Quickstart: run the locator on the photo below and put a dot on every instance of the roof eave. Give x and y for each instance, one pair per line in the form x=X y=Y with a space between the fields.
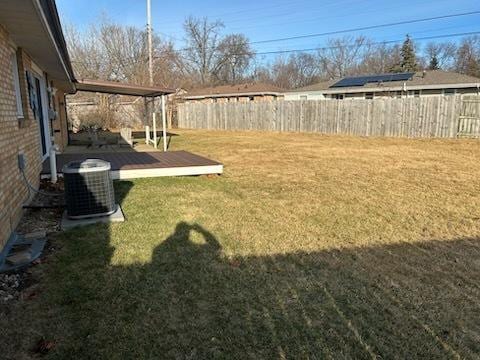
x=54 y=28
x=206 y=96
x=390 y=88
x=34 y=26
x=109 y=87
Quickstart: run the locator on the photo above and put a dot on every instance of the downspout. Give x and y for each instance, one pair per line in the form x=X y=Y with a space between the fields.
x=53 y=163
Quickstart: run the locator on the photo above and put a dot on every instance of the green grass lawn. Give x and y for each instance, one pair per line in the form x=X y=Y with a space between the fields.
x=308 y=246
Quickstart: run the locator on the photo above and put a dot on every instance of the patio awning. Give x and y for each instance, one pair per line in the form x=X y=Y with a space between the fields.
x=111 y=87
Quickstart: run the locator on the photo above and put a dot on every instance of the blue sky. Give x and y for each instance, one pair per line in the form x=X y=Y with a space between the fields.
x=268 y=19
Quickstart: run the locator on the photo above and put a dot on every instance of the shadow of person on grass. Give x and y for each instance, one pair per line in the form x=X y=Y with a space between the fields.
x=191 y=301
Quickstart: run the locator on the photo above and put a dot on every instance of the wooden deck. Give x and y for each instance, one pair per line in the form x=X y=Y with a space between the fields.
x=132 y=165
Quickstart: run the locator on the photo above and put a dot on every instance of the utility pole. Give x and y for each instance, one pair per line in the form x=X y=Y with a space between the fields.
x=149 y=34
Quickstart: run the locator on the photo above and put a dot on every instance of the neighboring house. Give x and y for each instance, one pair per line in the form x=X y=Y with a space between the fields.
x=257 y=92
x=423 y=83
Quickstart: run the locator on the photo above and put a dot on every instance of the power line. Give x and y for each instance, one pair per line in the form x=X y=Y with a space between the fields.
x=368 y=44
x=365 y=28
x=255 y=10
x=385 y=42
x=336 y=32
x=365 y=11
x=259 y=20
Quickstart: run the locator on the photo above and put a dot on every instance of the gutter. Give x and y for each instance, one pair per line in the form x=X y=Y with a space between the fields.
x=54 y=29
x=231 y=94
x=404 y=87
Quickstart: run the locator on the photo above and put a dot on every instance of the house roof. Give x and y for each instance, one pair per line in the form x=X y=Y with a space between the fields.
x=34 y=25
x=323 y=85
x=234 y=90
x=111 y=87
x=427 y=79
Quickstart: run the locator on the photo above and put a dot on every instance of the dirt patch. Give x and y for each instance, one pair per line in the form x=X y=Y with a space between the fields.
x=21 y=284
x=45 y=210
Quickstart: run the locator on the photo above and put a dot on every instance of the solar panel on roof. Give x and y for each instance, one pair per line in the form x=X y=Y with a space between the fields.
x=363 y=80
x=351 y=81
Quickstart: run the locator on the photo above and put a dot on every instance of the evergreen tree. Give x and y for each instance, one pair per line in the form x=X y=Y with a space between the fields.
x=408 y=60
x=433 y=63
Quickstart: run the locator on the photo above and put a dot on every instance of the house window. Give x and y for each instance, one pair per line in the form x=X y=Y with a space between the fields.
x=16 y=83
x=449 y=92
x=398 y=94
x=338 y=96
x=251 y=98
x=414 y=93
x=369 y=96
x=303 y=97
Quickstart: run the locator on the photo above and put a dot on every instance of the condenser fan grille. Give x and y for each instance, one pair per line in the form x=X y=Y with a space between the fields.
x=88 y=189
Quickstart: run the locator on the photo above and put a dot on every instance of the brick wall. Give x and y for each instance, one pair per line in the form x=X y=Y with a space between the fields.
x=15 y=136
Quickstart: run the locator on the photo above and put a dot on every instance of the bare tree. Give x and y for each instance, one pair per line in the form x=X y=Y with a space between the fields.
x=342 y=56
x=307 y=69
x=168 y=69
x=109 y=51
x=378 y=59
x=115 y=52
x=443 y=54
x=468 y=56
x=87 y=55
x=233 y=59
x=295 y=71
x=126 y=50
x=261 y=71
x=201 y=53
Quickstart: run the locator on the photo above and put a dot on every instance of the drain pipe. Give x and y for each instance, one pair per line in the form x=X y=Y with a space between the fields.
x=53 y=164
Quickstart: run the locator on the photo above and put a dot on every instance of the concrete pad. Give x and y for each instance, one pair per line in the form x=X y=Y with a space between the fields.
x=71 y=223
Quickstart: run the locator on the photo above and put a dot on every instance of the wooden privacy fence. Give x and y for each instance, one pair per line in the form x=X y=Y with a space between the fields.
x=435 y=116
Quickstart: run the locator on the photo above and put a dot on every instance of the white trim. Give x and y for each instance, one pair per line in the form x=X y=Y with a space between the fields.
x=36 y=69
x=46 y=119
x=164 y=124
x=174 y=171
x=161 y=172
x=387 y=89
x=52 y=38
x=16 y=84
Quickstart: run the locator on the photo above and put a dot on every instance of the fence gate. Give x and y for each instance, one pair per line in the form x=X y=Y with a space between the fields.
x=469 y=119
